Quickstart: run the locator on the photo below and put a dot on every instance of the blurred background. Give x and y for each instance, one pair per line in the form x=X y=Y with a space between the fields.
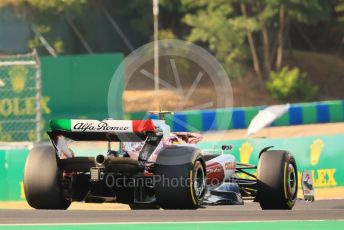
x=57 y=58
x=269 y=44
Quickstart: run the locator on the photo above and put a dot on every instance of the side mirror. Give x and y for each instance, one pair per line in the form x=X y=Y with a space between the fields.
x=226 y=147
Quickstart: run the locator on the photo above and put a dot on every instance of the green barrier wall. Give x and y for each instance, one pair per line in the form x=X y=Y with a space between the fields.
x=72 y=87
x=77 y=86
x=320 y=154
x=11 y=173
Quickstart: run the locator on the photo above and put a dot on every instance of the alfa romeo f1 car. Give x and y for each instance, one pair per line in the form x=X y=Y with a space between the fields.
x=151 y=168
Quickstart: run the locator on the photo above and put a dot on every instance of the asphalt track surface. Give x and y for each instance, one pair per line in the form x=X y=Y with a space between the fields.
x=319 y=210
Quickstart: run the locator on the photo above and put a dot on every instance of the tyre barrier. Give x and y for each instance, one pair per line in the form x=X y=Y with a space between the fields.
x=240 y=118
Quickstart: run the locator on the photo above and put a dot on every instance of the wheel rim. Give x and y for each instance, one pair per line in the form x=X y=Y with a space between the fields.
x=199 y=180
x=291 y=180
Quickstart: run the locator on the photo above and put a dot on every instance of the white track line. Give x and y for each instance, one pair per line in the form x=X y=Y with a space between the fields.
x=168 y=222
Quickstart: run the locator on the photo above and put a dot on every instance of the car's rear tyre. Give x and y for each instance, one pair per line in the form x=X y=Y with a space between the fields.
x=276 y=180
x=143 y=206
x=180 y=178
x=41 y=180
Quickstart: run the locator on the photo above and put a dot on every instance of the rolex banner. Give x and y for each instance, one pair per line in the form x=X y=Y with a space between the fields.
x=18 y=102
x=72 y=87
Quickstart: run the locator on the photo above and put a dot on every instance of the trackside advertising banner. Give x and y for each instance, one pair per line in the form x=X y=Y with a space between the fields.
x=72 y=86
x=323 y=155
x=12 y=163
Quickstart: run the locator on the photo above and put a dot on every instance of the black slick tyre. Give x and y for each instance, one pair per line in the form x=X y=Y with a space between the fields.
x=180 y=178
x=143 y=206
x=276 y=180
x=41 y=180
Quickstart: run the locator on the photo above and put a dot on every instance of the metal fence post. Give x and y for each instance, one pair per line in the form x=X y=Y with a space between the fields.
x=38 y=86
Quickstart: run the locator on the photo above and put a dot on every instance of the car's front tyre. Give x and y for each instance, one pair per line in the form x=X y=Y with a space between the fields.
x=276 y=180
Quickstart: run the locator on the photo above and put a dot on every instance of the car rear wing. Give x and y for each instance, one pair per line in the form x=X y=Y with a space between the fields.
x=105 y=130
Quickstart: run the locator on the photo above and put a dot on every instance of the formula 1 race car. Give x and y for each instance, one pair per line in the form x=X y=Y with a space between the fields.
x=151 y=168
